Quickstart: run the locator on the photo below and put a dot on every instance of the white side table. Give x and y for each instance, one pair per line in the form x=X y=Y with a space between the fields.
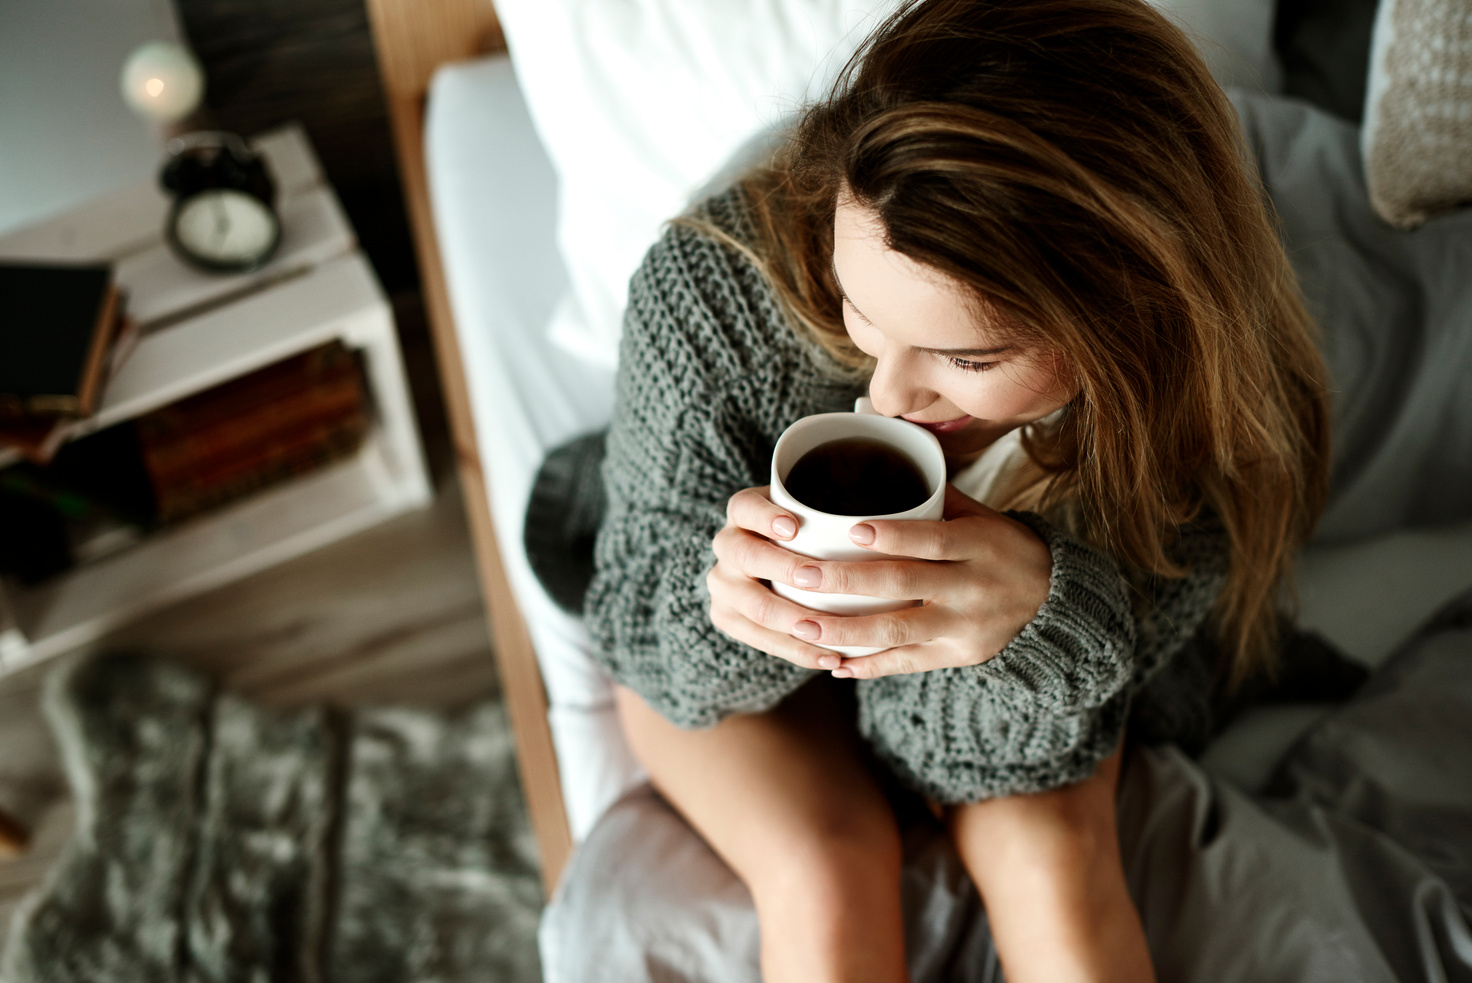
x=199 y=330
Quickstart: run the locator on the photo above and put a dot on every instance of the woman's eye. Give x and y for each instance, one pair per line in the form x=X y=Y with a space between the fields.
x=857 y=313
x=966 y=365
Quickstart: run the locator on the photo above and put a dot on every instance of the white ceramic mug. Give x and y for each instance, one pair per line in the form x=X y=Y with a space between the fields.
x=824 y=536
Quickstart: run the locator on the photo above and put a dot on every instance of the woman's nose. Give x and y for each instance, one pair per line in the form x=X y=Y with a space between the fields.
x=893 y=391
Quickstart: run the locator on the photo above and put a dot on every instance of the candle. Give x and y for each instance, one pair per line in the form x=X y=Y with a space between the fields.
x=161 y=81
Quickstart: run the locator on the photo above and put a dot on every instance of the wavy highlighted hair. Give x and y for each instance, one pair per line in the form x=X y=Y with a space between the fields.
x=1073 y=164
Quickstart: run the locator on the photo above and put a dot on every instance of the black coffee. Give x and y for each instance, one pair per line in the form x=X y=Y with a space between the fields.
x=857 y=476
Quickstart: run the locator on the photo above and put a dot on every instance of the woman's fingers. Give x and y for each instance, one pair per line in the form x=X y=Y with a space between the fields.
x=897 y=580
x=752 y=509
x=954 y=539
x=906 y=626
x=922 y=657
x=752 y=613
x=761 y=559
x=732 y=620
x=963 y=535
x=756 y=602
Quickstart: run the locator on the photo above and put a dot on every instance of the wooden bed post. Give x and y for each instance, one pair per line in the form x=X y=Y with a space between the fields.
x=413 y=38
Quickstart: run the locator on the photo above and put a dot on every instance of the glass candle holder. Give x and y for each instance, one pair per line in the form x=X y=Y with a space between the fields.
x=162 y=82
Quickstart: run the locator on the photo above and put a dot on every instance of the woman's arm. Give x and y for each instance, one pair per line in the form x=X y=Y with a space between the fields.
x=1014 y=676
x=1052 y=704
x=708 y=376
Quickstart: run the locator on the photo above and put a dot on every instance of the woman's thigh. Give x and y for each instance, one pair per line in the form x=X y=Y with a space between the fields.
x=771 y=792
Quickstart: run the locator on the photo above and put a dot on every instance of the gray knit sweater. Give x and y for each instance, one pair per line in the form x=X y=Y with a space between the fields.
x=710 y=374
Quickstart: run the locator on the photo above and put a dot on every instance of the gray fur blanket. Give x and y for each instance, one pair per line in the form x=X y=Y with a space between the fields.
x=218 y=841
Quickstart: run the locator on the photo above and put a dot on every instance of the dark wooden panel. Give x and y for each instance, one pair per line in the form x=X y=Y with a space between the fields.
x=268 y=61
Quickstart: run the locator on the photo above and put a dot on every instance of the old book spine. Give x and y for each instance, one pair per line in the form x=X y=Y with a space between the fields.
x=210 y=447
x=275 y=423
x=305 y=452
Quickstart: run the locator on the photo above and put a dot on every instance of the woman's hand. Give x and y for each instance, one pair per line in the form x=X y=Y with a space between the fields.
x=744 y=607
x=980 y=575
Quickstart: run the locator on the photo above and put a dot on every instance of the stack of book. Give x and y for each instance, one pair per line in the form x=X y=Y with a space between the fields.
x=106 y=491
x=62 y=335
x=253 y=431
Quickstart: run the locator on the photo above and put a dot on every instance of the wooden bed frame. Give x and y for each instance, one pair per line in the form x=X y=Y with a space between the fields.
x=413 y=38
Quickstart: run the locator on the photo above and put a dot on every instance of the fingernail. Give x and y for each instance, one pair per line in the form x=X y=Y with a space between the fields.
x=807 y=630
x=863 y=534
x=842 y=673
x=807 y=576
x=784 y=527
x=828 y=661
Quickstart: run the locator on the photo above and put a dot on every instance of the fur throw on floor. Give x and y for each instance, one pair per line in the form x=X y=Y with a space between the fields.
x=219 y=842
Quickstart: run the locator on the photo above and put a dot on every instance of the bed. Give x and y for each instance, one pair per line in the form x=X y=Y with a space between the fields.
x=525 y=323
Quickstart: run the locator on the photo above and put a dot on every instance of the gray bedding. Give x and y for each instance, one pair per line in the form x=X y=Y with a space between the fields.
x=1395 y=311
x=1355 y=862
x=1355 y=866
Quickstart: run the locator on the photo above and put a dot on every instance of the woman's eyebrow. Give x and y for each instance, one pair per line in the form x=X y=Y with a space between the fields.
x=833 y=268
x=951 y=352
x=963 y=352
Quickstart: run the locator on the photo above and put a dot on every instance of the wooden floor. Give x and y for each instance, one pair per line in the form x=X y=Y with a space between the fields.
x=391 y=615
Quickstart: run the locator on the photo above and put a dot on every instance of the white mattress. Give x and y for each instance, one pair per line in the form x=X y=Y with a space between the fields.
x=493 y=193
x=494 y=197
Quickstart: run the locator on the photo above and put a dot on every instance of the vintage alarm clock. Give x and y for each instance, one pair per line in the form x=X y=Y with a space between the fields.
x=224 y=214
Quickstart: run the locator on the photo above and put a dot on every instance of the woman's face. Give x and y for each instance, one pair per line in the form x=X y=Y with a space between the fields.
x=939 y=364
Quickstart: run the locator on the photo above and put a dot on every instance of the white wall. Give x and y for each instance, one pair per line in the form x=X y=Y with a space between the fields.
x=65 y=133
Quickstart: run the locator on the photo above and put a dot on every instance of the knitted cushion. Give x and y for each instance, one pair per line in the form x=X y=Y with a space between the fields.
x=1417 y=138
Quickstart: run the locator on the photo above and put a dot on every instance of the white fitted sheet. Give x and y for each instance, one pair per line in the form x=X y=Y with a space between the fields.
x=494 y=197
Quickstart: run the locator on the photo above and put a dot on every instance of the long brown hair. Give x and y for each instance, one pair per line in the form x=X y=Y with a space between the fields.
x=1075 y=166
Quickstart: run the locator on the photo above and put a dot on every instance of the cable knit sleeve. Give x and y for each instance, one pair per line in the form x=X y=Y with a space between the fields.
x=709 y=375
x=1047 y=708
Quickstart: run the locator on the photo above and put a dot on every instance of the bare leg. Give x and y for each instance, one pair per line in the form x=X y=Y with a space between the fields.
x=1050 y=874
x=785 y=798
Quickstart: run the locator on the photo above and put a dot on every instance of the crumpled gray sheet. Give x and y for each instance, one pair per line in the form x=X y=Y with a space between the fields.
x=1357 y=866
x=1395 y=314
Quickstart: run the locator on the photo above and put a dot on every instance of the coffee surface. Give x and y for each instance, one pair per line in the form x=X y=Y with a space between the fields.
x=857 y=476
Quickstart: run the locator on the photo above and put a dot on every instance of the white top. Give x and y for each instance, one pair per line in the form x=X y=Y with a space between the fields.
x=985 y=477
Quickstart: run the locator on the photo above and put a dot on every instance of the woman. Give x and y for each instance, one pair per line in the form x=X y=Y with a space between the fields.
x=1027 y=226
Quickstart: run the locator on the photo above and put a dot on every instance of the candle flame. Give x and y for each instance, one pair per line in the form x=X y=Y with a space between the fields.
x=154 y=87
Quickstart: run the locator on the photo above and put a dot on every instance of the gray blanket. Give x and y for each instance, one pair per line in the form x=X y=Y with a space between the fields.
x=1355 y=868
x=217 y=841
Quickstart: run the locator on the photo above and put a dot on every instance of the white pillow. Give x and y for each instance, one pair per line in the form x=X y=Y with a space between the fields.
x=640 y=102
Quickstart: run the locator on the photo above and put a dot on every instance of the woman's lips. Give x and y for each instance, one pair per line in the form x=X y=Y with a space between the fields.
x=944 y=426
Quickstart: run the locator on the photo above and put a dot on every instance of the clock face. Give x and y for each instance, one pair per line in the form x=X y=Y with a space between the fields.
x=225 y=229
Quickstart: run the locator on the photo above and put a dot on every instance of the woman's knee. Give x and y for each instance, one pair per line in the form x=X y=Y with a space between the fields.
x=830 y=864
x=1073 y=826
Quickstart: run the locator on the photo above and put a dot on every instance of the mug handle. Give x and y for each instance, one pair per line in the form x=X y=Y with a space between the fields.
x=864 y=406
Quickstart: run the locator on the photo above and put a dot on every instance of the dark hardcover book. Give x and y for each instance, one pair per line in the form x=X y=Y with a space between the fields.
x=38 y=437
x=56 y=324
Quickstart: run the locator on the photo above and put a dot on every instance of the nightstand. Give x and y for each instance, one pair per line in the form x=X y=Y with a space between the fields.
x=197 y=331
